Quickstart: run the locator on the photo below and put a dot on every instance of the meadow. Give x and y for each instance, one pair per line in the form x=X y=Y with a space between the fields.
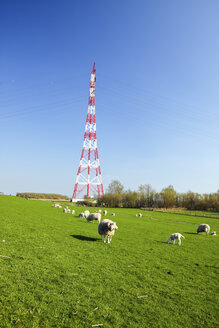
x=55 y=271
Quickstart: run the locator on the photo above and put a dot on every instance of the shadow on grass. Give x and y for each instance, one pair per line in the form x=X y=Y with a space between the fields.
x=190 y=233
x=84 y=238
x=161 y=242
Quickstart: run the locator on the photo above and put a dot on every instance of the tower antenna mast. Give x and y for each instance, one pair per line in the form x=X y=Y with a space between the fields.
x=89 y=180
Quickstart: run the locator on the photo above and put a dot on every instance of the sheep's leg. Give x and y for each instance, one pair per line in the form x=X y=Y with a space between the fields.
x=168 y=240
x=174 y=242
x=179 y=242
x=104 y=239
x=108 y=239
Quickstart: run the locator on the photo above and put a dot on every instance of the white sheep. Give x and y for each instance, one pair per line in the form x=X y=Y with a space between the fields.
x=140 y=215
x=113 y=214
x=204 y=228
x=93 y=217
x=66 y=210
x=81 y=215
x=105 y=212
x=213 y=233
x=175 y=236
x=99 y=211
x=86 y=213
x=73 y=212
x=107 y=228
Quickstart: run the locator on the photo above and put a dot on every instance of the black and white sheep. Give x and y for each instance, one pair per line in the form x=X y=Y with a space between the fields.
x=107 y=228
x=204 y=228
x=81 y=215
x=94 y=217
x=67 y=210
x=105 y=212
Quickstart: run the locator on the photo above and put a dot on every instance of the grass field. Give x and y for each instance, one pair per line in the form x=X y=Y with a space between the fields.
x=56 y=272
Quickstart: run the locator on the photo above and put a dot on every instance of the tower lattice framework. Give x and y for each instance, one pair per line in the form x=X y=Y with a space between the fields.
x=89 y=181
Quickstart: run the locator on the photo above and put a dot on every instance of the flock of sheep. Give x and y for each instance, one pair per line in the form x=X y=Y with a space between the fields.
x=107 y=228
x=201 y=228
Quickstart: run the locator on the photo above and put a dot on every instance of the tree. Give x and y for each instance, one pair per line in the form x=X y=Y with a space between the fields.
x=146 y=194
x=115 y=187
x=168 y=196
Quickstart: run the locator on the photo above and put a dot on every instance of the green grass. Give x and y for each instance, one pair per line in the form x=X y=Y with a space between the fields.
x=58 y=272
x=204 y=214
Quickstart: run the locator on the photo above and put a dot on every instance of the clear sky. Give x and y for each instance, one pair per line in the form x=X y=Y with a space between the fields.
x=157 y=92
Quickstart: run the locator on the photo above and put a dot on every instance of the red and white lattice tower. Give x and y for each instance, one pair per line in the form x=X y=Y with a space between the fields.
x=89 y=181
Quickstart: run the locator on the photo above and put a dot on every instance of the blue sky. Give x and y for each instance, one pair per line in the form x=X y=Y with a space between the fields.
x=157 y=97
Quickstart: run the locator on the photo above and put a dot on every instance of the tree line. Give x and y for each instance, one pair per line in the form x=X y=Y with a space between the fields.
x=147 y=197
x=34 y=195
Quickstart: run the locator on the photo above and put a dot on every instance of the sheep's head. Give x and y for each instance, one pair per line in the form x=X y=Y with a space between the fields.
x=113 y=226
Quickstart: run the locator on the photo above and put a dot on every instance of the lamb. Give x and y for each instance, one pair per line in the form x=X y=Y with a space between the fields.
x=107 y=228
x=86 y=213
x=81 y=215
x=73 y=212
x=175 y=236
x=140 y=215
x=94 y=216
x=105 y=212
x=204 y=228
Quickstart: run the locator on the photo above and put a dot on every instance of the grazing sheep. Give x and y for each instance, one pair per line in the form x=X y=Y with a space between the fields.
x=105 y=212
x=213 y=233
x=66 y=210
x=86 y=213
x=73 y=212
x=107 y=228
x=81 y=215
x=140 y=215
x=56 y=205
x=94 y=216
x=175 y=236
x=204 y=228
x=113 y=214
